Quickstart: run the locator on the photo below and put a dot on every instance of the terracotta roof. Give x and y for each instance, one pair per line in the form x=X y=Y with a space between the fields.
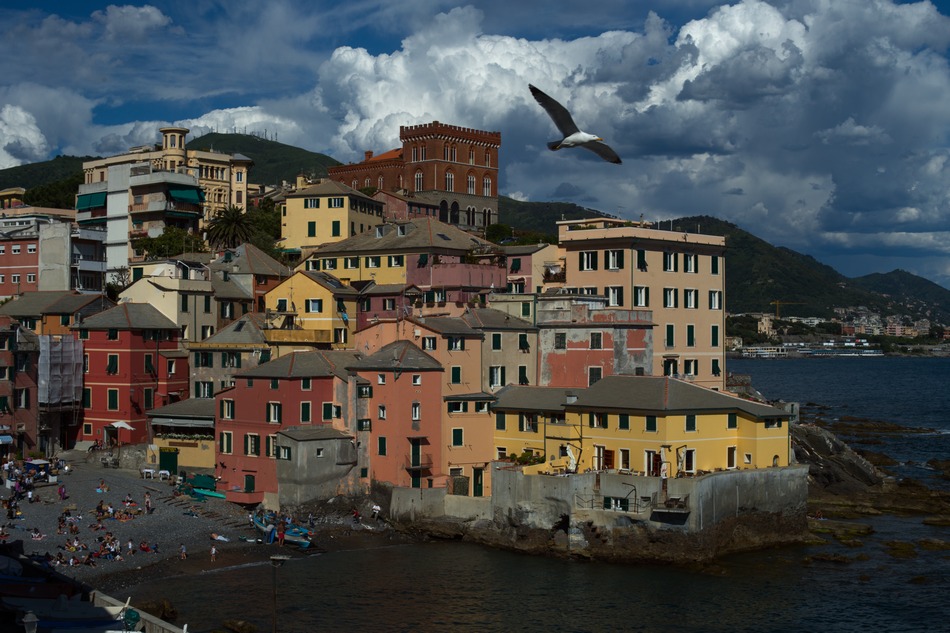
x=665 y=395
x=128 y=316
x=392 y=154
x=315 y=364
x=399 y=355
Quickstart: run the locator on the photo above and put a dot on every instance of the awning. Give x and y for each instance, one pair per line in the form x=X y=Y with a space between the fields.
x=182 y=214
x=90 y=201
x=183 y=422
x=192 y=195
x=6 y=439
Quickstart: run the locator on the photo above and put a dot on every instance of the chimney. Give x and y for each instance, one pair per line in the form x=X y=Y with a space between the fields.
x=367 y=155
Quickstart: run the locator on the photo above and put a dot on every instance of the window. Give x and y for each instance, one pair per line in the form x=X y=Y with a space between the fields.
x=416 y=411
x=416 y=380
x=206 y=331
x=204 y=359
x=224 y=442
x=227 y=409
x=231 y=360
x=85 y=365
x=614 y=296
x=614 y=260
x=171 y=367
x=670 y=299
x=15 y=249
x=389 y=304
x=588 y=260
x=650 y=424
x=747 y=458
x=486 y=186
x=305 y=412
x=624 y=422
x=458 y=407
x=670 y=262
x=380 y=379
x=274 y=412
x=597 y=420
x=670 y=335
x=340 y=335
x=715 y=367
x=690 y=336
x=381 y=412
x=449 y=181
x=496 y=341
x=113 y=334
x=456 y=344
x=113 y=399
x=397 y=261
x=499 y=421
x=252 y=444
x=690 y=422
x=204 y=389
x=365 y=391
x=329 y=263
x=31 y=278
x=22 y=399
x=428 y=343
x=625 y=459
x=496 y=376
x=691 y=299
x=733 y=421
x=456 y=375
x=596 y=340
x=525 y=308
x=335 y=228
x=523 y=345
x=112 y=367
x=417 y=179
x=641 y=297
x=691 y=367
x=714 y=264
x=482 y=407
x=270 y=446
x=381 y=445
x=335 y=203
x=770 y=423
x=184 y=303
x=458 y=437
x=560 y=340
x=350 y=263
x=715 y=299
x=689 y=460
x=593 y=375
x=714 y=336
x=373 y=262
x=364 y=424
x=689 y=263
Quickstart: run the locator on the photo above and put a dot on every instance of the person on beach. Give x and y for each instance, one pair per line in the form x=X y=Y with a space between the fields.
x=148 y=503
x=62 y=492
x=182 y=552
x=214 y=552
x=376 y=511
x=280 y=533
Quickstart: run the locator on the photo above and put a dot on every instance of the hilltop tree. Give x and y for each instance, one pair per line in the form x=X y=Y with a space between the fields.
x=173 y=241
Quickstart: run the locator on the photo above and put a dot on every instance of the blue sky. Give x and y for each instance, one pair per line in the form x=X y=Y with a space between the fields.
x=820 y=125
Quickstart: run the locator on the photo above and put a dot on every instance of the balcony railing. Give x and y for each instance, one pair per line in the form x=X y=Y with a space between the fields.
x=421 y=462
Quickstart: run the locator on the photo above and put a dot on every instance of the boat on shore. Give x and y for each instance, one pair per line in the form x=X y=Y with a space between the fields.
x=266 y=523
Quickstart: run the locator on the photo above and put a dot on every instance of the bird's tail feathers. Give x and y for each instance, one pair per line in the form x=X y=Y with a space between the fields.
x=554 y=146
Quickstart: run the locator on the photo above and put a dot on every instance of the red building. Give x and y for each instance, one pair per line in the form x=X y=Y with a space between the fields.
x=453 y=167
x=132 y=363
x=300 y=389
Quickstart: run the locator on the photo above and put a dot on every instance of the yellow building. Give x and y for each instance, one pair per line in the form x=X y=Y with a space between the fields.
x=649 y=425
x=310 y=308
x=679 y=276
x=324 y=213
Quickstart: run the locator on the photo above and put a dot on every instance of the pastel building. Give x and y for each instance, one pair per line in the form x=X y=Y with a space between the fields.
x=323 y=213
x=310 y=308
x=679 y=277
x=54 y=312
x=533 y=267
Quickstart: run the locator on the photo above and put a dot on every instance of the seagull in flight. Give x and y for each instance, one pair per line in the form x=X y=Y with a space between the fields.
x=573 y=137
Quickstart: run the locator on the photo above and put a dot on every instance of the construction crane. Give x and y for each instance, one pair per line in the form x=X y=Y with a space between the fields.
x=778 y=305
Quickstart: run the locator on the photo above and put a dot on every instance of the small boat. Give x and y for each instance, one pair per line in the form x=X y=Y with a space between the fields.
x=207 y=493
x=266 y=522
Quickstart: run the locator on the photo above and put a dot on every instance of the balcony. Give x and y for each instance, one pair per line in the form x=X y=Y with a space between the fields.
x=421 y=462
x=274 y=337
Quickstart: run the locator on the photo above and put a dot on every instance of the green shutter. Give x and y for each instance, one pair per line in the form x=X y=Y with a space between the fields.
x=715 y=336
x=327 y=410
x=607 y=503
x=590 y=420
x=304 y=411
x=456 y=375
x=733 y=421
x=714 y=264
x=499 y=421
x=624 y=423
x=221 y=407
x=651 y=423
x=690 y=335
x=221 y=443
x=311 y=229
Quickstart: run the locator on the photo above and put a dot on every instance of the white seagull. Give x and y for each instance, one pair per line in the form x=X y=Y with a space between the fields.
x=573 y=137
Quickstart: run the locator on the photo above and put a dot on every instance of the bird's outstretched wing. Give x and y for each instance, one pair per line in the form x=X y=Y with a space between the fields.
x=603 y=150
x=558 y=113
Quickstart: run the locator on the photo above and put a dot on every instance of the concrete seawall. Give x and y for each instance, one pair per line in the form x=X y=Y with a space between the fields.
x=619 y=516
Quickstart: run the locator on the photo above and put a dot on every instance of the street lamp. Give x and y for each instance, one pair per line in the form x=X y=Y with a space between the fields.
x=275 y=561
x=30 y=622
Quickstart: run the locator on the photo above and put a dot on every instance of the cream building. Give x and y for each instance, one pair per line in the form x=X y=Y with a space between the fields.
x=678 y=276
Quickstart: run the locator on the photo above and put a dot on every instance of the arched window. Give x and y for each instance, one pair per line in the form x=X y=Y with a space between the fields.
x=415 y=153
x=454 y=157
x=486 y=186
x=379 y=182
x=471 y=157
x=471 y=184
x=487 y=158
x=418 y=179
x=449 y=181
x=445 y=152
x=354 y=184
x=366 y=182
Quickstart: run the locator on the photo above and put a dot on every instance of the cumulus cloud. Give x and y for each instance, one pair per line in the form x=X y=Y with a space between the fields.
x=21 y=140
x=130 y=23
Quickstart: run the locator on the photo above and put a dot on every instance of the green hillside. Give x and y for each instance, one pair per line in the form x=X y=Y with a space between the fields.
x=44 y=173
x=540 y=217
x=273 y=162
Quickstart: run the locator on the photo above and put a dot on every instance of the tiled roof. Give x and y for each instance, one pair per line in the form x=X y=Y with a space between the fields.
x=330 y=282
x=128 y=316
x=32 y=304
x=401 y=355
x=392 y=154
x=491 y=319
x=314 y=433
x=448 y=326
x=316 y=364
x=390 y=289
x=227 y=289
x=248 y=259
x=244 y=331
x=422 y=235
x=663 y=394
x=521 y=398
x=523 y=249
x=189 y=408
x=328 y=187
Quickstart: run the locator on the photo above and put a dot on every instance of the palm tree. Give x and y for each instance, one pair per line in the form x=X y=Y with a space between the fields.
x=229 y=228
